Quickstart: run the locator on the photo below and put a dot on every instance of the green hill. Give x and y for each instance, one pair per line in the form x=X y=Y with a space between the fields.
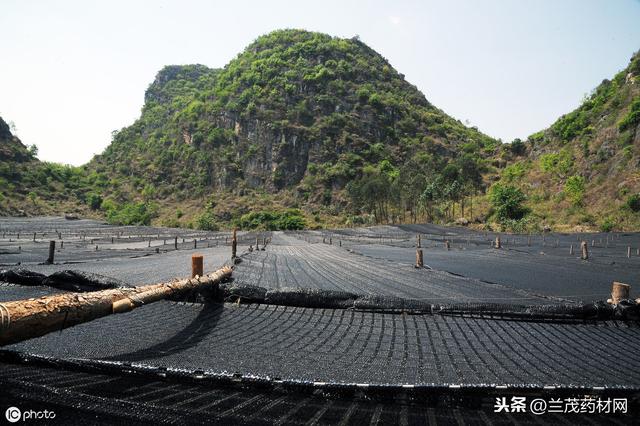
x=29 y=186
x=294 y=121
x=584 y=170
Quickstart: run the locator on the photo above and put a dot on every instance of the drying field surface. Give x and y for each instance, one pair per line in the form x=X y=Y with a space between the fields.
x=318 y=346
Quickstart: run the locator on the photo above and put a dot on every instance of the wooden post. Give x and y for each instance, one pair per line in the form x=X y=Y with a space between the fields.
x=197 y=265
x=447 y=245
x=257 y=243
x=34 y=237
x=419 y=241
x=234 y=244
x=529 y=241
x=340 y=241
x=330 y=241
x=175 y=243
x=61 y=244
x=571 y=250
x=585 y=250
x=195 y=243
x=24 y=319
x=628 y=252
x=419 y=259
x=52 y=252
x=619 y=291
x=149 y=244
x=498 y=244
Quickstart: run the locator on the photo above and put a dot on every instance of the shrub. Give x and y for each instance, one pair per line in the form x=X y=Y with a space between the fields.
x=633 y=116
x=272 y=221
x=633 y=203
x=574 y=189
x=130 y=214
x=559 y=163
x=207 y=222
x=508 y=202
x=607 y=225
x=514 y=171
x=94 y=201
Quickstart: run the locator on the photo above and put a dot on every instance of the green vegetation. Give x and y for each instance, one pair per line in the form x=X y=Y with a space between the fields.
x=130 y=213
x=326 y=126
x=508 y=202
x=272 y=221
x=514 y=172
x=632 y=119
x=557 y=163
x=633 y=203
x=574 y=189
x=334 y=102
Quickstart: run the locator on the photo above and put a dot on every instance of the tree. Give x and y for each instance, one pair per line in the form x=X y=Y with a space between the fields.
x=508 y=202
x=33 y=150
x=94 y=201
x=517 y=147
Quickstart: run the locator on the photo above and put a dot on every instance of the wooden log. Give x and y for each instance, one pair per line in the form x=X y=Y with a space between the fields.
x=498 y=244
x=24 y=319
x=584 y=250
x=619 y=291
x=419 y=259
x=197 y=265
x=234 y=244
x=52 y=252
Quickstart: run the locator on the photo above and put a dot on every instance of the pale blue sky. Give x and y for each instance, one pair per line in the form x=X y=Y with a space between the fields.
x=73 y=71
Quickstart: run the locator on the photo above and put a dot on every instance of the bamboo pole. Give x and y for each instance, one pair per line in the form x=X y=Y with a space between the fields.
x=24 y=319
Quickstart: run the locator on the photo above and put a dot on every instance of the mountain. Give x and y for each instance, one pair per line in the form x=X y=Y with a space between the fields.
x=584 y=170
x=29 y=186
x=290 y=122
x=11 y=149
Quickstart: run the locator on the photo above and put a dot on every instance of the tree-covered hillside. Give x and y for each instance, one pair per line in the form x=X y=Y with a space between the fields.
x=29 y=186
x=584 y=170
x=299 y=119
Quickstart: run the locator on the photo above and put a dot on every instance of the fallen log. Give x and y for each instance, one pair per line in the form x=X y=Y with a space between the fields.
x=24 y=319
